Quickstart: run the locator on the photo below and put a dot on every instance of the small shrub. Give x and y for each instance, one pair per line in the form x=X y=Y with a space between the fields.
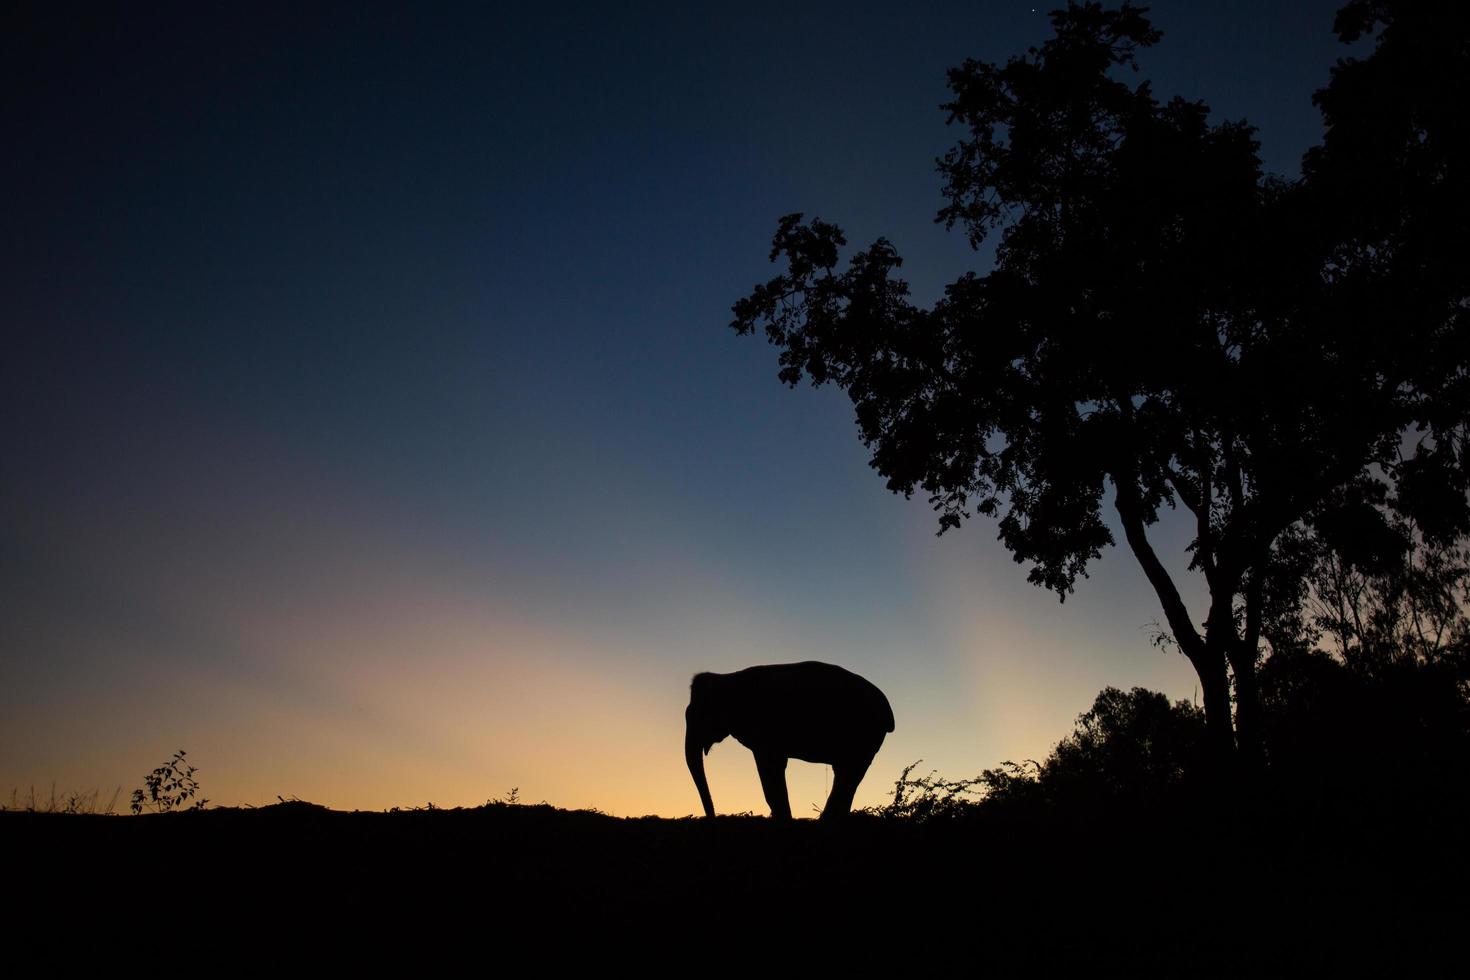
x=930 y=797
x=1014 y=784
x=169 y=787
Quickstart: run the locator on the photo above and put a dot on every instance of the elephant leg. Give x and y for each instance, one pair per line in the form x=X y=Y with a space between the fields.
x=845 y=779
x=772 y=769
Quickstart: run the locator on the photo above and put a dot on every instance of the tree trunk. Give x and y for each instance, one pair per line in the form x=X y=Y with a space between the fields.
x=1206 y=653
x=1209 y=664
x=1248 y=710
x=1220 y=643
x=1247 y=691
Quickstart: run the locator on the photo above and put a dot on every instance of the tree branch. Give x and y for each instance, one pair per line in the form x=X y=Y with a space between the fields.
x=1131 y=514
x=1253 y=593
x=1199 y=506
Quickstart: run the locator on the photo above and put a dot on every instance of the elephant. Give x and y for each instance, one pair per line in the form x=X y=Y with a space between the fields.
x=810 y=711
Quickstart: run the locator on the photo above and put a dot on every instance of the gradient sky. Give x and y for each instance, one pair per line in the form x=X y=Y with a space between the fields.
x=370 y=425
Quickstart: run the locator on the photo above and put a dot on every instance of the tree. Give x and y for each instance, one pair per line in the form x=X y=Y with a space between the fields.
x=1411 y=609
x=1165 y=326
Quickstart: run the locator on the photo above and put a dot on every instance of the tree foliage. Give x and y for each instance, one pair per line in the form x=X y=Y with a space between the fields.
x=1287 y=360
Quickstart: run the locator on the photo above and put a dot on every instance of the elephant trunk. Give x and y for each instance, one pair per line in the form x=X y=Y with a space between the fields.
x=695 y=758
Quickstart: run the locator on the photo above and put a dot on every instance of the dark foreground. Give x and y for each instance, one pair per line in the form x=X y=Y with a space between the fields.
x=1380 y=891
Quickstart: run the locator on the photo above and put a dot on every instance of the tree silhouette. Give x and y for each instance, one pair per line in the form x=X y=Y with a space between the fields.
x=1165 y=326
x=1130 y=750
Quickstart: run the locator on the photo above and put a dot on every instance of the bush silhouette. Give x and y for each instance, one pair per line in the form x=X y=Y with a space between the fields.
x=1129 y=748
x=1133 y=745
x=168 y=787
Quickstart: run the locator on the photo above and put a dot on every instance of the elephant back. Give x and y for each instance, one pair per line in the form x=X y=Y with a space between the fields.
x=822 y=706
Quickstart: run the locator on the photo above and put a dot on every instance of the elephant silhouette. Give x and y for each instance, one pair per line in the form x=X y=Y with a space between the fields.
x=810 y=711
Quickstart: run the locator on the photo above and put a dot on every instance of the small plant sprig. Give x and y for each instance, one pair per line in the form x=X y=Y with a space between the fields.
x=513 y=798
x=169 y=787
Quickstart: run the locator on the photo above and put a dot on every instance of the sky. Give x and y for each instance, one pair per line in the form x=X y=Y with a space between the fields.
x=372 y=429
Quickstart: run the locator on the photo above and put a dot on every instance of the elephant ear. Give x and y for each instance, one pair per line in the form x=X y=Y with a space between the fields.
x=704 y=714
x=702 y=689
x=707 y=696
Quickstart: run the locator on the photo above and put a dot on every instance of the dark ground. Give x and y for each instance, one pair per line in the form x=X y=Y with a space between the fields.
x=1378 y=892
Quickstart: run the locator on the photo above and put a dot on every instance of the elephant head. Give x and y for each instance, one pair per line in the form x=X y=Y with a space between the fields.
x=704 y=726
x=810 y=711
